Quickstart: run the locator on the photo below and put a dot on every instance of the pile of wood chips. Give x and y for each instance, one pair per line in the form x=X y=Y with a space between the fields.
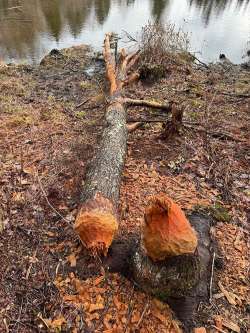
x=109 y=304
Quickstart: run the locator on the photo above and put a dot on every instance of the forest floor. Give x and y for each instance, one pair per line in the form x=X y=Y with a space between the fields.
x=48 y=280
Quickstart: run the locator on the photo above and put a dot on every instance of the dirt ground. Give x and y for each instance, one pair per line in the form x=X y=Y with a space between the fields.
x=51 y=117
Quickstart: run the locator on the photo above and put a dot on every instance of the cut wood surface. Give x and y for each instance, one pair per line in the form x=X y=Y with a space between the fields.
x=166 y=231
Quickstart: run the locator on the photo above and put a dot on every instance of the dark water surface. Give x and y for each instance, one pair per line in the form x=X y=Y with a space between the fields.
x=30 y=28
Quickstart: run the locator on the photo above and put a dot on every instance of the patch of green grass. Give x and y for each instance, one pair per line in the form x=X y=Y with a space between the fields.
x=80 y=114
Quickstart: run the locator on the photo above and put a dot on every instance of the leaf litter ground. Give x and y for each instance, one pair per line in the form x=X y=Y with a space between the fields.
x=51 y=118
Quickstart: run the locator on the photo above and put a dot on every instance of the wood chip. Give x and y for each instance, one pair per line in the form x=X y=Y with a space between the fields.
x=98 y=280
x=218 y=321
x=230 y=325
x=200 y=330
x=217 y=296
x=228 y=296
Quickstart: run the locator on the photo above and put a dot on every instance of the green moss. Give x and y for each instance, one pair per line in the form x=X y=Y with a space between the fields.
x=220 y=213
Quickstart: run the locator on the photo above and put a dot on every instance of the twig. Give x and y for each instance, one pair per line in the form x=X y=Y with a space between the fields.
x=82 y=103
x=130 y=37
x=167 y=106
x=218 y=135
x=48 y=202
x=6 y=325
x=130 y=309
x=202 y=63
x=142 y=315
x=15 y=19
x=234 y=95
x=211 y=280
x=16 y=7
x=39 y=316
x=130 y=120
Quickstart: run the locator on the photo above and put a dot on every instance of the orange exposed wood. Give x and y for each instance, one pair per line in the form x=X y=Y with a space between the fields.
x=110 y=65
x=166 y=231
x=96 y=224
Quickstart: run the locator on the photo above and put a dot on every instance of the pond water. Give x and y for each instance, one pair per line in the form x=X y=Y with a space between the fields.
x=30 y=28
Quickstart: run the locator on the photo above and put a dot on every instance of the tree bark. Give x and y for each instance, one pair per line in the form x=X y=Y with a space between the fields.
x=97 y=220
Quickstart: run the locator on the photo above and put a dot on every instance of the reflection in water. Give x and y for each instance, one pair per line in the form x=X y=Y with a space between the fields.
x=101 y=10
x=29 y=28
x=158 y=7
x=209 y=8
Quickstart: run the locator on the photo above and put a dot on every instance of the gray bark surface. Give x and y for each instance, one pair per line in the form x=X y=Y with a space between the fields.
x=104 y=171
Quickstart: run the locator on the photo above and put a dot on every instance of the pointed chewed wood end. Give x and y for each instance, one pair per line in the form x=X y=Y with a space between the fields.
x=96 y=224
x=166 y=231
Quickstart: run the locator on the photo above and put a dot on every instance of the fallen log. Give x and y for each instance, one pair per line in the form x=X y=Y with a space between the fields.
x=97 y=220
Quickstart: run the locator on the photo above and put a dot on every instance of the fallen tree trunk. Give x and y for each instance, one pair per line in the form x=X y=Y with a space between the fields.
x=96 y=222
x=97 y=219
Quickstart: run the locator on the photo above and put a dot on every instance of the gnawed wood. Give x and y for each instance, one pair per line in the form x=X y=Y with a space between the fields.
x=96 y=223
x=166 y=231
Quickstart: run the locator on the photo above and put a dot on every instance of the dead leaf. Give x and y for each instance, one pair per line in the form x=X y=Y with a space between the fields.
x=200 y=330
x=58 y=322
x=159 y=316
x=218 y=322
x=30 y=170
x=135 y=317
x=50 y=234
x=159 y=304
x=116 y=302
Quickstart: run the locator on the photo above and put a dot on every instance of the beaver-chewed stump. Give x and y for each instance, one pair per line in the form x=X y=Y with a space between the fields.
x=180 y=280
